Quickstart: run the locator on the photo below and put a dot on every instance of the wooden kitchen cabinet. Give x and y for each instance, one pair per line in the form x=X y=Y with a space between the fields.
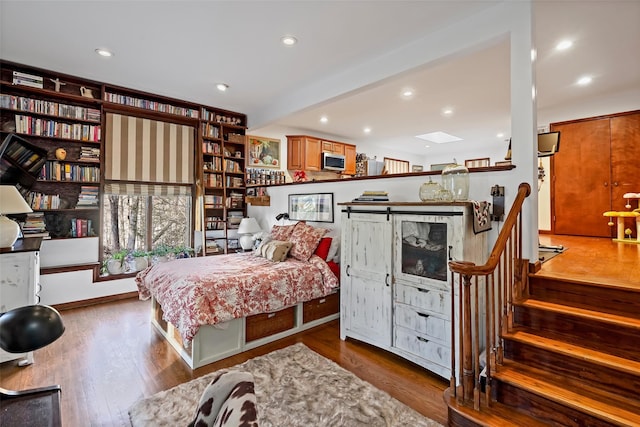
x=304 y=153
x=349 y=159
x=333 y=147
x=595 y=165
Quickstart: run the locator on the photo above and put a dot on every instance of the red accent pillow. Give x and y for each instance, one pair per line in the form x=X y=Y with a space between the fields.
x=335 y=268
x=323 y=247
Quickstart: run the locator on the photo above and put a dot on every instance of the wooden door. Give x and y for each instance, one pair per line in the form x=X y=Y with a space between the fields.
x=625 y=163
x=581 y=190
x=366 y=278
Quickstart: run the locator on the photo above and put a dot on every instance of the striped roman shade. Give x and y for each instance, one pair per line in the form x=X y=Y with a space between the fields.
x=148 y=151
x=392 y=166
x=146 y=189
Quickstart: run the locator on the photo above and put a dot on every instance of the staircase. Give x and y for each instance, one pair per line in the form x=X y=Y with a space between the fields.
x=571 y=357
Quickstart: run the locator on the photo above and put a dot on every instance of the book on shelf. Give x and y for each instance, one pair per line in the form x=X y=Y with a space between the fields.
x=25 y=79
x=372 y=196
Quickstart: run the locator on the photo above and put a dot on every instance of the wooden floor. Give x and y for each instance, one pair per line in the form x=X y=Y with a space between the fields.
x=109 y=356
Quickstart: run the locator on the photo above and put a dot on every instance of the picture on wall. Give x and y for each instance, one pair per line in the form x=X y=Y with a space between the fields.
x=317 y=207
x=263 y=152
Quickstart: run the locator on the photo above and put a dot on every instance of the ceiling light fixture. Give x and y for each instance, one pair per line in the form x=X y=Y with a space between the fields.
x=583 y=81
x=438 y=137
x=447 y=111
x=367 y=130
x=289 y=40
x=500 y=135
x=564 y=45
x=407 y=93
x=104 y=52
x=222 y=87
x=324 y=119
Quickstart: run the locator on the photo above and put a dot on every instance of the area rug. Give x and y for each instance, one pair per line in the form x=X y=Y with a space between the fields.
x=546 y=255
x=294 y=387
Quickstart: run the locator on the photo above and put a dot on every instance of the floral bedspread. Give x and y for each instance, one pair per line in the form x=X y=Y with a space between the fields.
x=216 y=289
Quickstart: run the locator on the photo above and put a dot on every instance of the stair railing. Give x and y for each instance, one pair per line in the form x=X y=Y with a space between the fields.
x=485 y=297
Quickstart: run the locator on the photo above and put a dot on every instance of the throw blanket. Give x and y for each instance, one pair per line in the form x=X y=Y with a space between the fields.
x=215 y=289
x=481 y=216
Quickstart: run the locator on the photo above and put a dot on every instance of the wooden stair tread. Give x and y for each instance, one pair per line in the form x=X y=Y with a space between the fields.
x=566 y=349
x=585 y=282
x=600 y=316
x=599 y=408
x=496 y=415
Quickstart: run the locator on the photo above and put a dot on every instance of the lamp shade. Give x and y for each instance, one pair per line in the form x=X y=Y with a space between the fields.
x=29 y=328
x=249 y=226
x=11 y=202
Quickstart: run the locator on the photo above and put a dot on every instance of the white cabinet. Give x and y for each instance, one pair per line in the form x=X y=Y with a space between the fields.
x=366 y=279
x=19 y=283
x=414 y=242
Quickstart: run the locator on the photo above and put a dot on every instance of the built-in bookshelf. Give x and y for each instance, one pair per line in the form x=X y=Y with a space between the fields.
x=147 y=101
x=56 y=120
x=223 y=176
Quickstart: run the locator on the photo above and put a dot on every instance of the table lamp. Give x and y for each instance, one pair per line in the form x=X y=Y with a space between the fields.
x=11 y=202
x=248 y=227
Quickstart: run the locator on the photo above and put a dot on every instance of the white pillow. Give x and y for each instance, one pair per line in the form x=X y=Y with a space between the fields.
x=334 y=249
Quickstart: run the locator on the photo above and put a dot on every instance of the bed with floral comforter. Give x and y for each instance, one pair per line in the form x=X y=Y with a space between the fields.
x=210 y=290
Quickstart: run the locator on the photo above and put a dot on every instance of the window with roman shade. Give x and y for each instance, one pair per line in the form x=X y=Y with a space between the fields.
x=392 y=166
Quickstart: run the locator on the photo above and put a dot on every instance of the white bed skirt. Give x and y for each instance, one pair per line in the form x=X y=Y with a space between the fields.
x=213 y=343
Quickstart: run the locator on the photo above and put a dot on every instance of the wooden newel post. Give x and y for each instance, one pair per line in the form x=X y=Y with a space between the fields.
x=468 y=375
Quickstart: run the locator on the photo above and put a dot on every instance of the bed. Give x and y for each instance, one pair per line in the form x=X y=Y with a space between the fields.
x=209 y=308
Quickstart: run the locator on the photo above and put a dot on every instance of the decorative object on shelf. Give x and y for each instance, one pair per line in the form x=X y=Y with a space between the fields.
x=417 y=168
x=57 y=83
x=299 y=176
x=455 y=178
x=429 y=190
x=11 y=202
x=247 y=229
x=61 y=153
x=264 y=152
x=86 y=92
x=316 y=207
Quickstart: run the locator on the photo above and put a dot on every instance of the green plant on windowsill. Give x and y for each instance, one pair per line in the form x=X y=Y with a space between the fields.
x=115 y=264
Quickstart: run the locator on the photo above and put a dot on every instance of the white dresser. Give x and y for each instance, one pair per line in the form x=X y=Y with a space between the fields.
x=19 y=283
x=396 y=290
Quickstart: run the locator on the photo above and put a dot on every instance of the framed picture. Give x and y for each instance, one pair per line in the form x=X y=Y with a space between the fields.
x=317 y=207
x=417 y=168
x=263 y=152
x=478 y=163
x=439 y=166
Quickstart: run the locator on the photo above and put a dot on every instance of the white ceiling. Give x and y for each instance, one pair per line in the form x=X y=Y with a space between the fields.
x=182 y=48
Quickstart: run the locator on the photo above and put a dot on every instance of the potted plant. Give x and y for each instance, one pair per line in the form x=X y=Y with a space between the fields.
x=115 y=264
x=140 y=260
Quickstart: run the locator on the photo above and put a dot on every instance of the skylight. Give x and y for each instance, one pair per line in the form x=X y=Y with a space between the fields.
x=438 y=137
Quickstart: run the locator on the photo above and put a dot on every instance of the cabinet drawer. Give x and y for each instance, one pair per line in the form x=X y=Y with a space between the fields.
x=421 y=346
x=263 y=325
x=422 y=322
x=320 y=307
x=433 y=300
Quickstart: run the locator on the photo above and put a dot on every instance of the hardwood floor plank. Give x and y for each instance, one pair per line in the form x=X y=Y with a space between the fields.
x=110 y=356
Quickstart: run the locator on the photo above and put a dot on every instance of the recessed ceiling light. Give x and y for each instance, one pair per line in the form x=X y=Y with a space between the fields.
x=222 y=87
x=366 y=130
x=438 y=137
x=104 y=52
x=407 y=93
x=583 y=81
x=500 y=135
x=289 y=40
x=564 y=45
x=324 y=119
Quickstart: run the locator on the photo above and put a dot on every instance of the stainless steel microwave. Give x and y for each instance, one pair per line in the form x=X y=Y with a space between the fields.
x=333 y=162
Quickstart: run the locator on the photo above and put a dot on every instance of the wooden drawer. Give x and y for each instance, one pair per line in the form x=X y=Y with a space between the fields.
x=423 y=347
x=321 y=307
x=433 y=300
x=263 y=325
x=422 y=322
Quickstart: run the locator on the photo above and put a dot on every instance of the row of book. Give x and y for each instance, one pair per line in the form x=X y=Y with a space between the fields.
x=151 y=105
x=34 y=226
x=58 y=171
x=81 y=227
x=214 y=165
x=232 y=166
x=90 y=154
x=25 y=156
x=213 y=180
x=235 y=181
x=373 y=196
x=26 y=79
x=50 y=128
x=209 y=147
x=88 y=197
x=214 y=223
x=213 y=201
x=210 y=131
x=50 y=108
x=40 y=201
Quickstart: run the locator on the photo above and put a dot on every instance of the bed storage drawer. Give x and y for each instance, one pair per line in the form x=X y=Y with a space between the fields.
x=263 y=325
x=321 y=307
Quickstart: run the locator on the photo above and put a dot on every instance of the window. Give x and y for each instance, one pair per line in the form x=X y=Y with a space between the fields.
x=145 y=222
x=392 y=166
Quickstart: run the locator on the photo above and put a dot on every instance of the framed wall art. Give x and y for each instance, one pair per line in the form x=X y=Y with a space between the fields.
x=317 y=207
x=263 y=152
